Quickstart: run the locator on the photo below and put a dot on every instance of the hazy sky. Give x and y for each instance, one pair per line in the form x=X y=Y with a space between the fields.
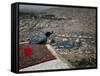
x=33 y=8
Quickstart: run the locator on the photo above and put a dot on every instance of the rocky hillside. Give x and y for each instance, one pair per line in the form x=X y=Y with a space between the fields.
x=60 y=20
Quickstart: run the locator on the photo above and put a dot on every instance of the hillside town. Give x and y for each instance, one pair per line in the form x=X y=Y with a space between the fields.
x=72 y=36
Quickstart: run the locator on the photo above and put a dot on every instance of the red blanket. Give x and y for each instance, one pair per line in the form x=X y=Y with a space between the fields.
x=30 y=55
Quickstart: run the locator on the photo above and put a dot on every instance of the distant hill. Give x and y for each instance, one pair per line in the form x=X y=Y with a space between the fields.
x=76 y=20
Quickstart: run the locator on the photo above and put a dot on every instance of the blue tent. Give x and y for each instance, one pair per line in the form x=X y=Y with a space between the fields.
x=65 y=45
x=38 y=39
